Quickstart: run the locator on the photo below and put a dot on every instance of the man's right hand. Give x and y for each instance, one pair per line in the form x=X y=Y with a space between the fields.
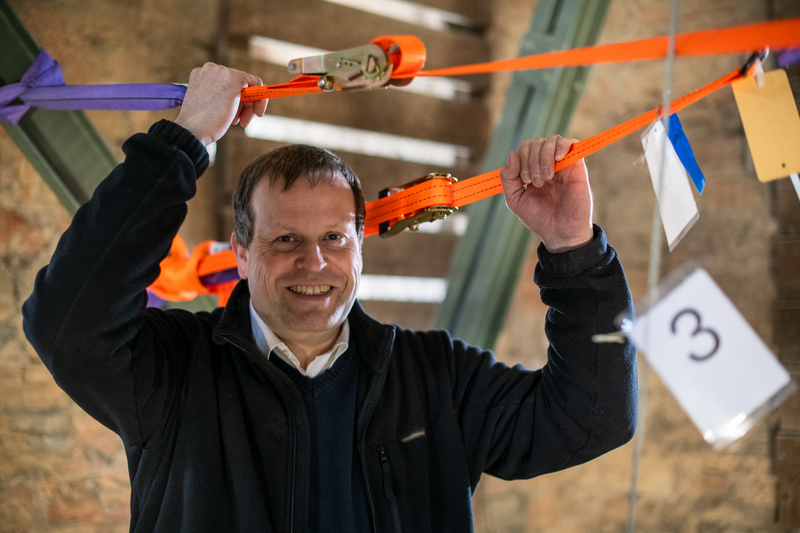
x=212 y=102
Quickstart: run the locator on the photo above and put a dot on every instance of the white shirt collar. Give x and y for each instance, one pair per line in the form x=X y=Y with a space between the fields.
x=268 y=343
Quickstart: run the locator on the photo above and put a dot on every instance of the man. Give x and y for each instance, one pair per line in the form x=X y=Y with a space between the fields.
x=290 y=409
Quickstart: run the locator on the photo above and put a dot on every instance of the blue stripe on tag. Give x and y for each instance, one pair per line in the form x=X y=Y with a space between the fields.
x=684 y=151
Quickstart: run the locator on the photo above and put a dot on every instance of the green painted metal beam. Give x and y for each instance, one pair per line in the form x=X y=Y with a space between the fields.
x=487 y=261
x=63 y=146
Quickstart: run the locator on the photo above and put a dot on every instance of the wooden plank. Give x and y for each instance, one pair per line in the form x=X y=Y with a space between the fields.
x=787 y=259
x=375 y=173
x=333 y=27
x=787 y=207
x=408 y=315
x=787 y=332
x=409 y=254
x=787 y=454
x=789 y=410
x=385 y=111
x=478 y=11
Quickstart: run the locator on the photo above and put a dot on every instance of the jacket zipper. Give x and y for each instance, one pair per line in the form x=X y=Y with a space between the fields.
x=387 y=488
x=373 y=391
x=232 y=340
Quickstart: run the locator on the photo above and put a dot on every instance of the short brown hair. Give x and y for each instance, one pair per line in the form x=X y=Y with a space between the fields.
x=286 y=164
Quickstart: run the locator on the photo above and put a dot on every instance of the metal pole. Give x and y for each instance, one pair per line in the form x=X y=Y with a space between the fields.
x=656 y=238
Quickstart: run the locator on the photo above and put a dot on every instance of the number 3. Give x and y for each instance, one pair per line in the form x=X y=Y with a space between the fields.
x=697 y=331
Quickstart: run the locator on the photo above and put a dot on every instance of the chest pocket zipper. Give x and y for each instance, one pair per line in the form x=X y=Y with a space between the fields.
x=387 y=488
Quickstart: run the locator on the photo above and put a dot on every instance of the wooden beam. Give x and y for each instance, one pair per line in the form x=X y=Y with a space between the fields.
x=334 y=27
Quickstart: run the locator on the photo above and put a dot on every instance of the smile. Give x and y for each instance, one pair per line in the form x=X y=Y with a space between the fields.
x=310 y=290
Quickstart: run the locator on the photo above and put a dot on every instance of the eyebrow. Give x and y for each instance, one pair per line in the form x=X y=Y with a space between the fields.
x=282 y=227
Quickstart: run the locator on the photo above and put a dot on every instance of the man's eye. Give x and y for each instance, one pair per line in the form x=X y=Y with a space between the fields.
x=284 y=238
x=334 y=237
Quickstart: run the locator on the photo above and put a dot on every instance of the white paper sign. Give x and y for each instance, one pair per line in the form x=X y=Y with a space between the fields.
x=719 y=370
x=675 y=200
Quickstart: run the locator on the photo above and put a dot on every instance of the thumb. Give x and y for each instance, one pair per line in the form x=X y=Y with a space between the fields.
x=509 y=174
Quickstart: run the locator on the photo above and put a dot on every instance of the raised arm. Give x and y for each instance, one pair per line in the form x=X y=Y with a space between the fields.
x=87 y=313
x=520 y=423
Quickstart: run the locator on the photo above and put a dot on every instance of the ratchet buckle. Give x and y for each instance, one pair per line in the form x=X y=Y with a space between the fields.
x=413 y=220
x=363 y=67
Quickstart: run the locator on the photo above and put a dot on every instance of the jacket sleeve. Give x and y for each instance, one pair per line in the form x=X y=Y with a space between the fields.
x=87 y=317
x=583 y=403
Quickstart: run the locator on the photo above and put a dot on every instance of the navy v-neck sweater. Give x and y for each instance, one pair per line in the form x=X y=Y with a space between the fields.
x=338 y=495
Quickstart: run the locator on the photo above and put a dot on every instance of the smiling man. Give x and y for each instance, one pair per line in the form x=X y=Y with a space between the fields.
x=291 y=410
x=298 y=237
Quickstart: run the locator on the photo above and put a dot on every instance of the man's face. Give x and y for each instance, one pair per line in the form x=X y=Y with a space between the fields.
x=304 y=262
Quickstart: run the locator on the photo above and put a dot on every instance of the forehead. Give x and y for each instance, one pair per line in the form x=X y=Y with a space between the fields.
x=329 y=200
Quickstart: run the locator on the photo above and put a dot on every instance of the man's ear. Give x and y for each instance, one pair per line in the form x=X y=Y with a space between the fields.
x=241 y=254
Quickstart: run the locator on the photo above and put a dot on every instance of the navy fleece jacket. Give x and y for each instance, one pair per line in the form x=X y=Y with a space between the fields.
x=217 y=438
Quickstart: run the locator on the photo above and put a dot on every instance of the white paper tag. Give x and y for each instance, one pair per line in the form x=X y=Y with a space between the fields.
x=675 y=200
x=719 y=370
x=796 y=183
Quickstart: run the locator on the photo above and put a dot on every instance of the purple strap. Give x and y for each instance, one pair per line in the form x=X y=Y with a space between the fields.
x=787 y=57
x=154 y=301
x=43 y=86
x=218 y=278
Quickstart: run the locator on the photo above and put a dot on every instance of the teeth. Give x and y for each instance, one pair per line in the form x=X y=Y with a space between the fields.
x=305 y=289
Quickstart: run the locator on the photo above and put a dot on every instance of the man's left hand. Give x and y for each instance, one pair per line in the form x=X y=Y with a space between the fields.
x=557 y=206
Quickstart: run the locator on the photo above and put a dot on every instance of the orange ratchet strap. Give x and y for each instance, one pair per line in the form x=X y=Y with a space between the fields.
x=775 y=34
x=441 y=192
x=184 y=276
x=407 y=55
x=181 y=274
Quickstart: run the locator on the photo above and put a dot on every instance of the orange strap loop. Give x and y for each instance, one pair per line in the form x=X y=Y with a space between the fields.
x=410 y=57
x=179 y=280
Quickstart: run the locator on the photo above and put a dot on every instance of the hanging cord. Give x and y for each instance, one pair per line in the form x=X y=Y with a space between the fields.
x=656 y=238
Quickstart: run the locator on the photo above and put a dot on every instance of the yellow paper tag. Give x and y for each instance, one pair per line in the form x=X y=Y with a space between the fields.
x=771 y=124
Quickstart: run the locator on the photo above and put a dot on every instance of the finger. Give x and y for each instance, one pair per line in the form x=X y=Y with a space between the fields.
x=238 y=114
x=247 y=114
x=258 y=107
x=563 y=147
x=547 y=160
x=530 y=165
x=525 y=148
x=509 y=177
x=252 y=81
x=261 y=107
x=510 y=172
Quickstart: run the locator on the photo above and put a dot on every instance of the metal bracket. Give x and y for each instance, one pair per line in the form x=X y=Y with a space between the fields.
x=363 y=67
x=412 y=221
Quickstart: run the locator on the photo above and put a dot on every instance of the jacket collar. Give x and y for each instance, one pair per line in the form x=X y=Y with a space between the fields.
x=374 y=339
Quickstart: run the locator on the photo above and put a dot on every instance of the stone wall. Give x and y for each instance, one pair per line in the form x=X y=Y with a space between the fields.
x=62 y=472
x=684 y=486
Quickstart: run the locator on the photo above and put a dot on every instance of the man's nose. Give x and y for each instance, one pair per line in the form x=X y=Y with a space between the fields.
x=311 y=257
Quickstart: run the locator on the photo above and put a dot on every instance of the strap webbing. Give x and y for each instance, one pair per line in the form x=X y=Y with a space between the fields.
x=441 y=192
x=777 y=34
x=746 y=38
